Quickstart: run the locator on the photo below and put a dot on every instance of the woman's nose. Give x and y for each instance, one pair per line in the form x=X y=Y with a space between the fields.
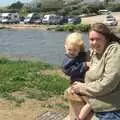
x=94 y=42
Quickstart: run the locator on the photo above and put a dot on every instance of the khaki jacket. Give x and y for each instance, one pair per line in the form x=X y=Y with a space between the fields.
x=102 y=81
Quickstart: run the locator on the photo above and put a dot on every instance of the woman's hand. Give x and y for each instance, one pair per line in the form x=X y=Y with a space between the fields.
x=77 y=87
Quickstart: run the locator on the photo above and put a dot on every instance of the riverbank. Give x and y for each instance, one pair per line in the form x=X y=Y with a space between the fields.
x=68 y=27
x=26 y=26
x=30 y=88
x=85 y=21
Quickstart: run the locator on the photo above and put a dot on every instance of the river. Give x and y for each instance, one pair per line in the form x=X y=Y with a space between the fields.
x=46 y=46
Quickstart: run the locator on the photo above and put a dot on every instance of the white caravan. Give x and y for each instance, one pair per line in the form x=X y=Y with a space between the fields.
x=10 y=18
x=51 y=19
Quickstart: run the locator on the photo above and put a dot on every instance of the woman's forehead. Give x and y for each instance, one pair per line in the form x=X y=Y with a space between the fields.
x=95 y=34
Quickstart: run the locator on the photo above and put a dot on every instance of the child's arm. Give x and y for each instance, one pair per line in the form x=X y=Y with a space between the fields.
x=67 y=65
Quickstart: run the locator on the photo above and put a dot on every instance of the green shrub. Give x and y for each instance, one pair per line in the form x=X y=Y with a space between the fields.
x=72 y=27
x=69 y=27
x=59 y=28
x=83 y=27
x=4 y=60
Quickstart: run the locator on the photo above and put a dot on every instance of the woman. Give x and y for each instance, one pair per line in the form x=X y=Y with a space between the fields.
x=102 y=80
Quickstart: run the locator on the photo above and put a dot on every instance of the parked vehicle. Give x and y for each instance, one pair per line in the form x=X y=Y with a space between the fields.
x=63 y=20
x=31 y=17
x=110 y=16
x=10 y=18
x=104 y=11
x=74 y=20
x=22 y=19
x=51 y=19
x=37 y=21
x=111 y=21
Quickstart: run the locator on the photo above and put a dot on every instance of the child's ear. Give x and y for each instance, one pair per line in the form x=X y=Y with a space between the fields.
x=81 y=44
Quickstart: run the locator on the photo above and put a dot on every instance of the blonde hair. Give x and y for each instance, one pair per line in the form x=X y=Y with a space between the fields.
x=75 y=39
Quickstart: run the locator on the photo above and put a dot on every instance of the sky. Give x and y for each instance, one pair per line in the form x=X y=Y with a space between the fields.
x=9 y=2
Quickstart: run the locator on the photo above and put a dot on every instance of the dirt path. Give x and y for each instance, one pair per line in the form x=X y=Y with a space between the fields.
x=27 y=111
x=27 y=26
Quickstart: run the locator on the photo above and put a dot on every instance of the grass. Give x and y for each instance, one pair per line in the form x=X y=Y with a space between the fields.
x=25 y=76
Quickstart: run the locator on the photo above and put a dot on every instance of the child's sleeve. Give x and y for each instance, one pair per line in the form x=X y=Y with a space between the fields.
x=72 y=67
x=79 y=69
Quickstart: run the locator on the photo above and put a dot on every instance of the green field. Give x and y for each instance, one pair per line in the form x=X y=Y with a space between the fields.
x=28 y=77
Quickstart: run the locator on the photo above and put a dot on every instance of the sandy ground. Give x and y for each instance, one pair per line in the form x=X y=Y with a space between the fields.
x=100 y=18
x=25 y=26
x=30 y=109
x=27 y=111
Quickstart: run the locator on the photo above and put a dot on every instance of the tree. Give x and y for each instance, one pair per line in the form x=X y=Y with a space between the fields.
x=89 y=8
x=106 y=2
x=17 y=5
x=51 y=5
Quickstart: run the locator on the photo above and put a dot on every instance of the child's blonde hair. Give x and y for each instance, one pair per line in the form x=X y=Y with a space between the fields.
x=75 y=39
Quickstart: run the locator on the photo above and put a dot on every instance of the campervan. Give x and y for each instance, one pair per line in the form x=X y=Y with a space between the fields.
x=31 y=17
x=10 y=18
x=51 y=19
x=104 y=11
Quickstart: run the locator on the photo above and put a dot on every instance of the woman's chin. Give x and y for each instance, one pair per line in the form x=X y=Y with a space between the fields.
x=98 y=52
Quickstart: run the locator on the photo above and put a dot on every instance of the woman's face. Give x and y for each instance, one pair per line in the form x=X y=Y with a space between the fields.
x=97 y=42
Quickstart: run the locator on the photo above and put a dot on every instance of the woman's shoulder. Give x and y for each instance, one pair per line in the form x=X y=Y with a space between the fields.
x=112 y=47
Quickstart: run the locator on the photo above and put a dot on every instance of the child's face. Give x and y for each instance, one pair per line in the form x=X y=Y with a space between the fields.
x=72 y=50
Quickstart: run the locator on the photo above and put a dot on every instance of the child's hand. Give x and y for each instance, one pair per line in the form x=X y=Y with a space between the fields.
x=70 y=90
x=68 y=93
x=77 y=87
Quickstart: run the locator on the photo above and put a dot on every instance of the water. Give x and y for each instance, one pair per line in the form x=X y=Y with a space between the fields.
x=33 y=43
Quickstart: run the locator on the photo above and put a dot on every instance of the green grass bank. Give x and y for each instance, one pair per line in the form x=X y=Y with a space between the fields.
x=35 y=79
